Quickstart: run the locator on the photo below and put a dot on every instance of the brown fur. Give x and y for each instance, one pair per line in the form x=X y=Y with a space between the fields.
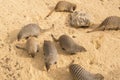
x=32 y=46
x=79 y=73
x=110 y=23
x=63 y=6
x=68 y=44
x=51 y=54
x=31 y=30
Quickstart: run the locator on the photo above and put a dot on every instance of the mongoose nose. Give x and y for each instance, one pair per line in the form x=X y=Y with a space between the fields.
x=47 y=66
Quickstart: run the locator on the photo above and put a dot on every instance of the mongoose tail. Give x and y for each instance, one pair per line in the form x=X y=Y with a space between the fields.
x=19 y=47
x=49 y=14
x=98 y=28
x=56 y=40
x=45 y=30
x=80 y=48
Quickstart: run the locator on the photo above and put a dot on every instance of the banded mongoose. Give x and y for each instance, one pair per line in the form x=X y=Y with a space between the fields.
x=79 y=73
x=63 y=6
x=50 y=53
x=68 y=44
x=31 y=30
x=32 y=46
x=110 y=23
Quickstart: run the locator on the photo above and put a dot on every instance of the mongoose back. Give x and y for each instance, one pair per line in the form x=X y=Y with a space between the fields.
x=68 y=44
x=79 y=73
x=79 y=19
x=110 y=23
x=51 y=54
x=63 y=6
x=30 y=30
x=32 y=46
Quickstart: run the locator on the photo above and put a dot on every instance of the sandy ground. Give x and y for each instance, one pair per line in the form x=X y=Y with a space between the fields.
x=103 y=48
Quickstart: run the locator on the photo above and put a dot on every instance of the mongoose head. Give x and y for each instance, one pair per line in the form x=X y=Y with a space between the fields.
x=20 y=36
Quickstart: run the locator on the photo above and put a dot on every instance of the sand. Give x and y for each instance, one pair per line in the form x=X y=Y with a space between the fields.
x=103 y=48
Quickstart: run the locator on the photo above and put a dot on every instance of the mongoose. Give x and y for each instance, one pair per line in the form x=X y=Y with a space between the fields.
x=31 y=30
x=63 y=6
x=79 y=73
x=51 y=54
x=110 y=23
x=68 y=44
x=32 y=46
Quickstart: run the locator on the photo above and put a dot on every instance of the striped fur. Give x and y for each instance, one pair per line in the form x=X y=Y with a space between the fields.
x=80 y=73
x=29 y=30
x=69 y=45
x=32 y=46
x=50 y=53
x=110 y=23
x=63 y=6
